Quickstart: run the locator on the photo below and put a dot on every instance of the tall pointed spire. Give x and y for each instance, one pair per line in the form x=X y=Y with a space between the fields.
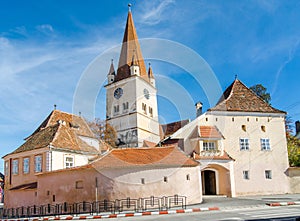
x=130 y=49
x=112 y=68
x=150 y=72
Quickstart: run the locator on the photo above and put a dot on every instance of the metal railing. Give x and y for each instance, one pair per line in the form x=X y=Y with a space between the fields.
x=116 y=206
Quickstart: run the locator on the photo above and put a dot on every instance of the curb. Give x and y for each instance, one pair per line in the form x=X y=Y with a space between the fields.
x=283 y=203
x=118 y=215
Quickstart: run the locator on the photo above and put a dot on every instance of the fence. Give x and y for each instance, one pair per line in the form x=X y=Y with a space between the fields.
x=116 y=206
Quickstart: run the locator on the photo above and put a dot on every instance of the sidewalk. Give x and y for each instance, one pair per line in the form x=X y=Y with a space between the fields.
x=210 y=203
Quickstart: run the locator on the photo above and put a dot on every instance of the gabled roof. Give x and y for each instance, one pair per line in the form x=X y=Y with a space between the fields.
x=145 y=157
x=206 y=132
x=170 y=128
x=238 y=97
x=130 y=52
x=58 y=136
x=77 y=123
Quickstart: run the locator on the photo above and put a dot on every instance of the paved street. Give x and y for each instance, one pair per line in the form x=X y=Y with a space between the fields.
x=237 y=214
x=241 y=208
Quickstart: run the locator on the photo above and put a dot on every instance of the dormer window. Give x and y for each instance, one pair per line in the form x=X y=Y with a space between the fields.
x=209 y=145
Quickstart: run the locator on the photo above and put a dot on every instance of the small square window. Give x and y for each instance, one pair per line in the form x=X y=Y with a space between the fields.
x=79 y=184
x=69 y=161
x=246 y=174
x=244 y=144
x=268 y=174
x=265 y=144
x=165 y=179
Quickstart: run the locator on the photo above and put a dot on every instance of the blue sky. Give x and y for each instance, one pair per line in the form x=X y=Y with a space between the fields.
x=45 y=46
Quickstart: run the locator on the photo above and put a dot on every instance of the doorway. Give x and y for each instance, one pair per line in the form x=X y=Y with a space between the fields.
x=209 y=182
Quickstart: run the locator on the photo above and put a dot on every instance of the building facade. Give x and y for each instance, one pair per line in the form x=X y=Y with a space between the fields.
x=241 y=145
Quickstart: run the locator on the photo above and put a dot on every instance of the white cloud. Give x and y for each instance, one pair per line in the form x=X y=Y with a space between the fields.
x=45 y=28
x=154 y=13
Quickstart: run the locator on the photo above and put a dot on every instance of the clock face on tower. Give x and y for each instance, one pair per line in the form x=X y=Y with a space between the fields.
x=146 y=93
x=118 y=93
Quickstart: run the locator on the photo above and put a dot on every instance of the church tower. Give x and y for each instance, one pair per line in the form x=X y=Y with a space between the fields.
x=131 y=101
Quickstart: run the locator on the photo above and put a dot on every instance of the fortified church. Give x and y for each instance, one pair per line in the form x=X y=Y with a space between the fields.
x=237 y=147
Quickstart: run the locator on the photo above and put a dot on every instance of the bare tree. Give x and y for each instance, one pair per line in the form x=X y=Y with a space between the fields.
x=104 y=131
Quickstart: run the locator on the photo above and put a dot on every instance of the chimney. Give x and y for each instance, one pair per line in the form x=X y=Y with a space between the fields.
x=199 y=106
x=297 y=127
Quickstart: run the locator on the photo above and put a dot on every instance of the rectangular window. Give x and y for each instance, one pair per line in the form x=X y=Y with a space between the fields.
x=116 y=109
x=26 y=165
x=125 y=106
x=207 y=146
x=188 y=177
x=246 y=174
x=38 y=163
x=151 y=111
x=144 y=108
x=142 y=180
x=79 y=184
x=69 y=162
x=268 y=174
x=265 y=144
x=15 y=166
x=165 y=179
x=6 y=168
x=244 y=144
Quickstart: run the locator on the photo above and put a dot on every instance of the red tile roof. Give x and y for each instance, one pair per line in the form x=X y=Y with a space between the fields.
x=58 y=136
x=209 y=132
x=170 y=128
x=238 y=97
x=76 y=123
x=145 y=157
x=206 y=132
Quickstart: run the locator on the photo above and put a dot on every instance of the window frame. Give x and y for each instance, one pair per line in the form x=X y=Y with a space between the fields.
x=6 y=168
x=244 y=146
x=246 y=175
x=268 y=174
x=38 y=169
x=69 y=162
x=28 y=165
x=15 y=166
x=265 y=144
x=211 y=146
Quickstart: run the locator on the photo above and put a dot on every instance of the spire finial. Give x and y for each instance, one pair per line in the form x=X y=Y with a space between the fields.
x=129 y=7
x=54 y=106
x=112 y=61
x=235 y=76
x=149 y=64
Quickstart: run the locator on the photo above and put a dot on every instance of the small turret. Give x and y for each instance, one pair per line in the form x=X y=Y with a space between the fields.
x=151 y=76
x=111 y=74
x=134 y=68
